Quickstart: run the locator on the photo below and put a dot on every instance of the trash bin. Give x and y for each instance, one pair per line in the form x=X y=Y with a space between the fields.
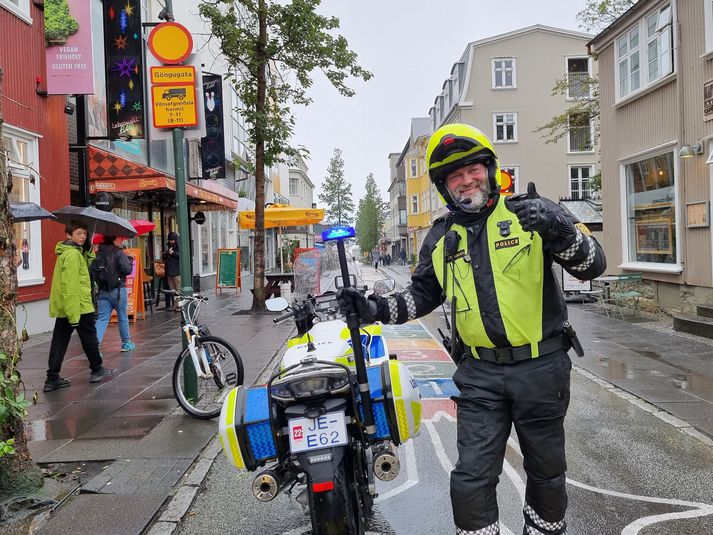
x=286 y=290
x=196 y=283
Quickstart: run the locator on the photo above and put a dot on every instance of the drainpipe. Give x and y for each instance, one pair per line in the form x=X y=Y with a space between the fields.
x=681 y=138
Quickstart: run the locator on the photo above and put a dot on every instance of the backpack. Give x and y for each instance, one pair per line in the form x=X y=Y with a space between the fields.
x=103 y=270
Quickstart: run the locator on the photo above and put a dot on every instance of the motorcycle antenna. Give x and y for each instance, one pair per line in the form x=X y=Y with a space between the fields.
x=340 y=234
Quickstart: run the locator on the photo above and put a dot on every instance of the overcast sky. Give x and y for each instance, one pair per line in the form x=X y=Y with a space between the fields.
x=410 y=47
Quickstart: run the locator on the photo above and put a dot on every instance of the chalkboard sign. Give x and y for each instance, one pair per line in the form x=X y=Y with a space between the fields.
x=228 y=269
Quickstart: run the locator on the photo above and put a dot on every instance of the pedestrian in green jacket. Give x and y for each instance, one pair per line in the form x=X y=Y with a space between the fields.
x=71 y=305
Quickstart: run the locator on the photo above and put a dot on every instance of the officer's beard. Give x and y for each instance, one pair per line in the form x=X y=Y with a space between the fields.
x=472 y=203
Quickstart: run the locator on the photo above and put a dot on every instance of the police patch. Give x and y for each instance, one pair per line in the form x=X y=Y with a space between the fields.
x=504 y=244
x=456 y=256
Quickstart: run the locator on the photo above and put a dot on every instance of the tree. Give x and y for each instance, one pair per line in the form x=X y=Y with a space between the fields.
x=262 y=40
x=17 y=471
x=584 y=110
x=337 y=192
x=370 y=216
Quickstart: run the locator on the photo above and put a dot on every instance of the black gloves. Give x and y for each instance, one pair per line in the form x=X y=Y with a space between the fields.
x=543 y=216
x=352 y=300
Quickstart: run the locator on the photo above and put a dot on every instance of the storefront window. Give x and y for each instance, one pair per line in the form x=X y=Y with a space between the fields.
x=22 y=161
x=206 y=257
x=214 y=223
x=651 y=209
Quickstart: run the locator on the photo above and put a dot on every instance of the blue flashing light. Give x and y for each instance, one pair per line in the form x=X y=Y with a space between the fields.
x=338 y=233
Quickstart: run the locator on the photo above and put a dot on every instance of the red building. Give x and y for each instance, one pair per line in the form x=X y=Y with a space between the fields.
x=35 y=142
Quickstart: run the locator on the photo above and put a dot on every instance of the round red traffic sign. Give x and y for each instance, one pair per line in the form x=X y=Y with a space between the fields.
x=170 y=43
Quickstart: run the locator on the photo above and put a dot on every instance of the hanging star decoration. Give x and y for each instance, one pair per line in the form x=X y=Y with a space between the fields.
x=124 y=67
x=120 y=42
x=122 y=98
x=123 y=21
x=112 y=13
x=117 y=107
x=129 y=9
x=136 y=106
x=131 y=85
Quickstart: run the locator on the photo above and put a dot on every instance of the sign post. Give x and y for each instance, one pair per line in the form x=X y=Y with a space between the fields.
x=171 y=43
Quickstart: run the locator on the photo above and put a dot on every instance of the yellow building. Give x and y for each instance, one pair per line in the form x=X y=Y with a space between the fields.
x=419 y=196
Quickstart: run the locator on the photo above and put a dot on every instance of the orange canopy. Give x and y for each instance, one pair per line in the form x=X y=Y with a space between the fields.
x=282 y=215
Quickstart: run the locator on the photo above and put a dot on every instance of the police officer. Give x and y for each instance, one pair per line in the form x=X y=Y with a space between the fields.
x=491 y=256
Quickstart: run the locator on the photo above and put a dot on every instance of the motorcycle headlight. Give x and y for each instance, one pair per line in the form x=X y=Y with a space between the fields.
x=297 y=386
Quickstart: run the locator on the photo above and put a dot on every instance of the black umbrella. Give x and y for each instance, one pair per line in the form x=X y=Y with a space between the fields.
x=105 y=223
x=28 y=211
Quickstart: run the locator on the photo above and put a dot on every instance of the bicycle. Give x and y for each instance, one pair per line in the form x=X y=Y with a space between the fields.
x=207 y=368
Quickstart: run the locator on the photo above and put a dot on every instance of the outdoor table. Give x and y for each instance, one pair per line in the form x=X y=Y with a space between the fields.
x=606 y=281
x=273 y=281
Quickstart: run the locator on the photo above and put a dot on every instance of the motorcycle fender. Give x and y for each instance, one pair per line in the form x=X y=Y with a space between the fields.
x=321 y=472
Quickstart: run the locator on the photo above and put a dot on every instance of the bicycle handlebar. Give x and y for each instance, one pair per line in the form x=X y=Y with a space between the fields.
x=183 y=296
x=283 y=317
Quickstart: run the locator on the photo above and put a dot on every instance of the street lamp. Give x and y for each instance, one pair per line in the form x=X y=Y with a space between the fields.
x=689 y=151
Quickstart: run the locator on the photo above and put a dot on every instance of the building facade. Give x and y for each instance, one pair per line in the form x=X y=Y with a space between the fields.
x=657 y=140
x=397 y=223
x=34 y=145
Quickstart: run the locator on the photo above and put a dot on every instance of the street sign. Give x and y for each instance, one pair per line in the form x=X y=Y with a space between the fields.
x=174 y=106
x=199 y=218
x=170 y=42
x=173 y=74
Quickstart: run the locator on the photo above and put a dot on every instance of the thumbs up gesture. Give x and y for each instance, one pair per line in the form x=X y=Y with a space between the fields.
x=530 y=209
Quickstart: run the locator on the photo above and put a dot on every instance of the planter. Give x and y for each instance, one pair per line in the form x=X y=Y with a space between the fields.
x=56 y=42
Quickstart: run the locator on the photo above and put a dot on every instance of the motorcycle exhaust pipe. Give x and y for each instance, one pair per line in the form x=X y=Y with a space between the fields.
x=386 y=462
x=269 y=483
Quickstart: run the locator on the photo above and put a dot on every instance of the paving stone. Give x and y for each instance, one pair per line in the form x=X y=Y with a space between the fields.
x=179 y=504
x=119 y=515
x=138 y=476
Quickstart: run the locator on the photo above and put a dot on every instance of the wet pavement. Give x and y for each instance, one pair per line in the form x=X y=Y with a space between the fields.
x=132 y=422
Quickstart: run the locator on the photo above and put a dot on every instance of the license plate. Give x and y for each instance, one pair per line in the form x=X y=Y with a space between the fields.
x=307 y=434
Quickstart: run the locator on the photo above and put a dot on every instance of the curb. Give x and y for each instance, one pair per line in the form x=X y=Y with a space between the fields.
x=178 y=506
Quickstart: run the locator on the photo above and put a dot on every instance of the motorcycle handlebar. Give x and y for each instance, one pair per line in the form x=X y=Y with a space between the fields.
x=283 y=317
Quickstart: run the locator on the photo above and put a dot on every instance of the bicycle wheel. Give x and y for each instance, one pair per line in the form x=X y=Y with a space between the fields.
x=203 y=398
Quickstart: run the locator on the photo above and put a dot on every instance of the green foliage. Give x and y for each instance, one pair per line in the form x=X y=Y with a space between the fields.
x=370 y=216
x=6 y=447
x=337 y=192
x=598 y=14
x=59 y=23
x=242 y=194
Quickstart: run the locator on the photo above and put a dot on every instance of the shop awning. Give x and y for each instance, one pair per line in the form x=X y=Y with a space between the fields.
x=109 y=172
x=280 y=215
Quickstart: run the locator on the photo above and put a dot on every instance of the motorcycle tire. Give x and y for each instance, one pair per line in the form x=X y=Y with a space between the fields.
x=337 y=512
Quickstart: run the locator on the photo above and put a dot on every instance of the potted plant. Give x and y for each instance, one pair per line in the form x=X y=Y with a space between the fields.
x=59 y=23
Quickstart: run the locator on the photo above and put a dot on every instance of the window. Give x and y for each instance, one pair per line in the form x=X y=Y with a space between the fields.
x=579 y=184
x=21 y=8
x=414 y=204
x=656 y=54
x=708 y=9
x=514 y=172
x=21 y=151
x=651 y=209
x=402 y=216
x=505 y=127
x=294 y=186
x=401 y=189
x=413 y=163
x=580 y=133
x=577 y=78
x=504 y=73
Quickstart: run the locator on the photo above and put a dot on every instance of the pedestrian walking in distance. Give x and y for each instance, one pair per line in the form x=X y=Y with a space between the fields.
x=109 y=271
x=71 y=305
x=173 y=265
x=493 y=255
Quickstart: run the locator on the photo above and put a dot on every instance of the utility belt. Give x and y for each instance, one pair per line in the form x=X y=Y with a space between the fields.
x=511 y=355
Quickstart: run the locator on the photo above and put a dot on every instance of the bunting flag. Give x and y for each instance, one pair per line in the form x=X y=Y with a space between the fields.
x=124 y=68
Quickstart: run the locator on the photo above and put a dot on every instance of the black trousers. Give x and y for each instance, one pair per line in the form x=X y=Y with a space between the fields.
x=534 y=396
x=86 y=329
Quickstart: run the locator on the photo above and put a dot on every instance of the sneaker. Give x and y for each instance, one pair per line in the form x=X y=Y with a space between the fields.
x=128 y=346
x=56 y=384
x=101 y=374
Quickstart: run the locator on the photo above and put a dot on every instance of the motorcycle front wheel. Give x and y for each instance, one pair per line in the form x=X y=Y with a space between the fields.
x=338 y=511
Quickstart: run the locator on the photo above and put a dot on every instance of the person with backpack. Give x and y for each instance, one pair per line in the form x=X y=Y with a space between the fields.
x=71 y=305
x=109 y=272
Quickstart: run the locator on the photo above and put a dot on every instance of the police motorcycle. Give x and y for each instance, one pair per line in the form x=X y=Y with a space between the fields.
x=330 y=419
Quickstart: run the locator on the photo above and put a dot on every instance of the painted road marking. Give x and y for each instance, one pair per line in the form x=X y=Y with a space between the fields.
x=437 y=387
x=421 y=343
x=408 y=355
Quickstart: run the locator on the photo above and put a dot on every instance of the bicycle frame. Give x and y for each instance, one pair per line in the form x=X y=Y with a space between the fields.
x=192 y=333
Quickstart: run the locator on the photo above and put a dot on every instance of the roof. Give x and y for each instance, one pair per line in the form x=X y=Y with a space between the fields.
x=420 y=127
x=623 y=19
x=584 y=210
x=530 y=29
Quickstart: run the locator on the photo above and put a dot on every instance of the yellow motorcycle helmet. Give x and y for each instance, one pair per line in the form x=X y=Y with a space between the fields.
x=455 y=145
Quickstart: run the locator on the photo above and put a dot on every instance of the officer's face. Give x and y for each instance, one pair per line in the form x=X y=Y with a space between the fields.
x=469 y=182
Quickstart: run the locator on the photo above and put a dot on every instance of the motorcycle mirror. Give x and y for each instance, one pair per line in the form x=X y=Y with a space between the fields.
x=276 y=304
x=384 y=286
